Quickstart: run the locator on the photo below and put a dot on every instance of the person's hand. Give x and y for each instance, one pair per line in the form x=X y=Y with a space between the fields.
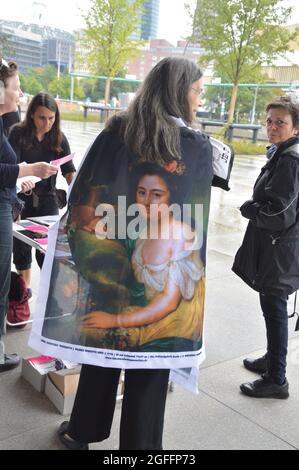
x=99 y=319
x=44 y=170
x=249 y=209
x=27 y=186
x=94 y=226
x=91 y=226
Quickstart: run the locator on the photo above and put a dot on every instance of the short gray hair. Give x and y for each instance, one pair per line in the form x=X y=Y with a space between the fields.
x=289 y=104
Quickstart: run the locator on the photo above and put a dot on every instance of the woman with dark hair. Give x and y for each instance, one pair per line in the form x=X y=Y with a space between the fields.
x=10 y=93
x=147 y=133
x=38 y=138
x=268 y=260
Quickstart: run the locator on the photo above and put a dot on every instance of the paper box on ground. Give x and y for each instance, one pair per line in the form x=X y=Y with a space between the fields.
x=61 y=387
x=35 y=370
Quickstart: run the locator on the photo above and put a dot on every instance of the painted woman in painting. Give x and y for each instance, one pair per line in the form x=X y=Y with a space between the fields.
x=168 y=265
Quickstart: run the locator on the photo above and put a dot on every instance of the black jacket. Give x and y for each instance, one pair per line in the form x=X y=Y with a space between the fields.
x=268 y=260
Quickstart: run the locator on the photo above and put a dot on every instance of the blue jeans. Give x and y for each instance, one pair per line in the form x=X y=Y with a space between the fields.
x=5 y=260
x=276 y=318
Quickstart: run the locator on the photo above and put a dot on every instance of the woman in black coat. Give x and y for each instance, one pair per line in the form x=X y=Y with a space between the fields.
x=268 y=260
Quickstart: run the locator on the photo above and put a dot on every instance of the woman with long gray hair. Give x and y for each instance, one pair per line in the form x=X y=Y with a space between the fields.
x=155 y=130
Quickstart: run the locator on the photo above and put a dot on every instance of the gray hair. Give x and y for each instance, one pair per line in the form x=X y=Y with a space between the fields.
x=147 y=127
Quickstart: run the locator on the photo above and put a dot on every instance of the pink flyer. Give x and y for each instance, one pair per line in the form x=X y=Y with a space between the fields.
x=63 y=160
x=37 y=228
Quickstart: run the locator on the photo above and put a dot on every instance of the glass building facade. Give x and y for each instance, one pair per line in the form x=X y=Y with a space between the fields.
x=150 y=19
x=31 y=45
x=22 y=46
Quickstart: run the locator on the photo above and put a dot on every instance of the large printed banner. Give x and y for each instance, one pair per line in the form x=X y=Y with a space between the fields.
x=123 y=283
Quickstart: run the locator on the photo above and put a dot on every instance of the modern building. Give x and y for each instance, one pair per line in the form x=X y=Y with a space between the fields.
x=156 y=50
x=286 y=69
x=25 y=47
x=150 y=19
x=32 y=45
x=82 y=51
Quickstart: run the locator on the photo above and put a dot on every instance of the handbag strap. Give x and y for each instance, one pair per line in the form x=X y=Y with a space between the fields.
x=295 y=313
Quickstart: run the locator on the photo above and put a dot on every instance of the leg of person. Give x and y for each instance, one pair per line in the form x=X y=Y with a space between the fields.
x=276 y=319
x=22 y=259
x=143 y=408
x=273 y=383
x=7 y=361
x=93 y=410
x=258 y=365
x=40 y=257
x=26 y=275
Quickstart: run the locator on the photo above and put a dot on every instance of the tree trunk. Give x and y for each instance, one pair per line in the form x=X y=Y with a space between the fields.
x=107 y=90
x=232 y=105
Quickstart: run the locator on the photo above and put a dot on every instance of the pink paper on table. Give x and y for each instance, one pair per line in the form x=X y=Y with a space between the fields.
x=41 y=241
x=37 y=228
x=40 y=359
x=63 y=160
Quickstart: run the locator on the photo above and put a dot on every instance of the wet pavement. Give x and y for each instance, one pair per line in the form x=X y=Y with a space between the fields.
x=220 y=417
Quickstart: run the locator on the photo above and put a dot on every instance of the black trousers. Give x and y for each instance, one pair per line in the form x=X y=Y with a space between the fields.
x=275 y=310
x=143 y=407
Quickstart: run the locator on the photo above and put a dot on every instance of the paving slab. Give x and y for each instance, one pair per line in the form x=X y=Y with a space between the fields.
x=279 y=417
x=220 y=417
x=204 y=423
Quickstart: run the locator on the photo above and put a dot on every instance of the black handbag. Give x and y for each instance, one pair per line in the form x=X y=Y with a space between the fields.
x=61 y=199
x=17 y=207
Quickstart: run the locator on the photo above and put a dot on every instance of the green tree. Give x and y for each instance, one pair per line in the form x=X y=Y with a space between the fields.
x=239 y=36
x=30 y=84
x=93 y=88
x=215 y=95
x=61 y=87
x=45 y=75
x=38 y=79
x=108 y=36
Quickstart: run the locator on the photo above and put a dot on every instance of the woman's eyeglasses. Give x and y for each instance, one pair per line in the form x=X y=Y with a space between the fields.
x=199 y=92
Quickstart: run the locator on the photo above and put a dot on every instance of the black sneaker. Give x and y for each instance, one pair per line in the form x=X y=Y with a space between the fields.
x=265 y=388
x=256 y=365
x=66 y=440
x=11 y=361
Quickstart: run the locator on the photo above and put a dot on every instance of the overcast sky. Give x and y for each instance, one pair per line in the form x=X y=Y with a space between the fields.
x=65 y=14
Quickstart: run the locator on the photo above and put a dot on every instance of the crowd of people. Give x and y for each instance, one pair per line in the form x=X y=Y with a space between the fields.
x=146 y=134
